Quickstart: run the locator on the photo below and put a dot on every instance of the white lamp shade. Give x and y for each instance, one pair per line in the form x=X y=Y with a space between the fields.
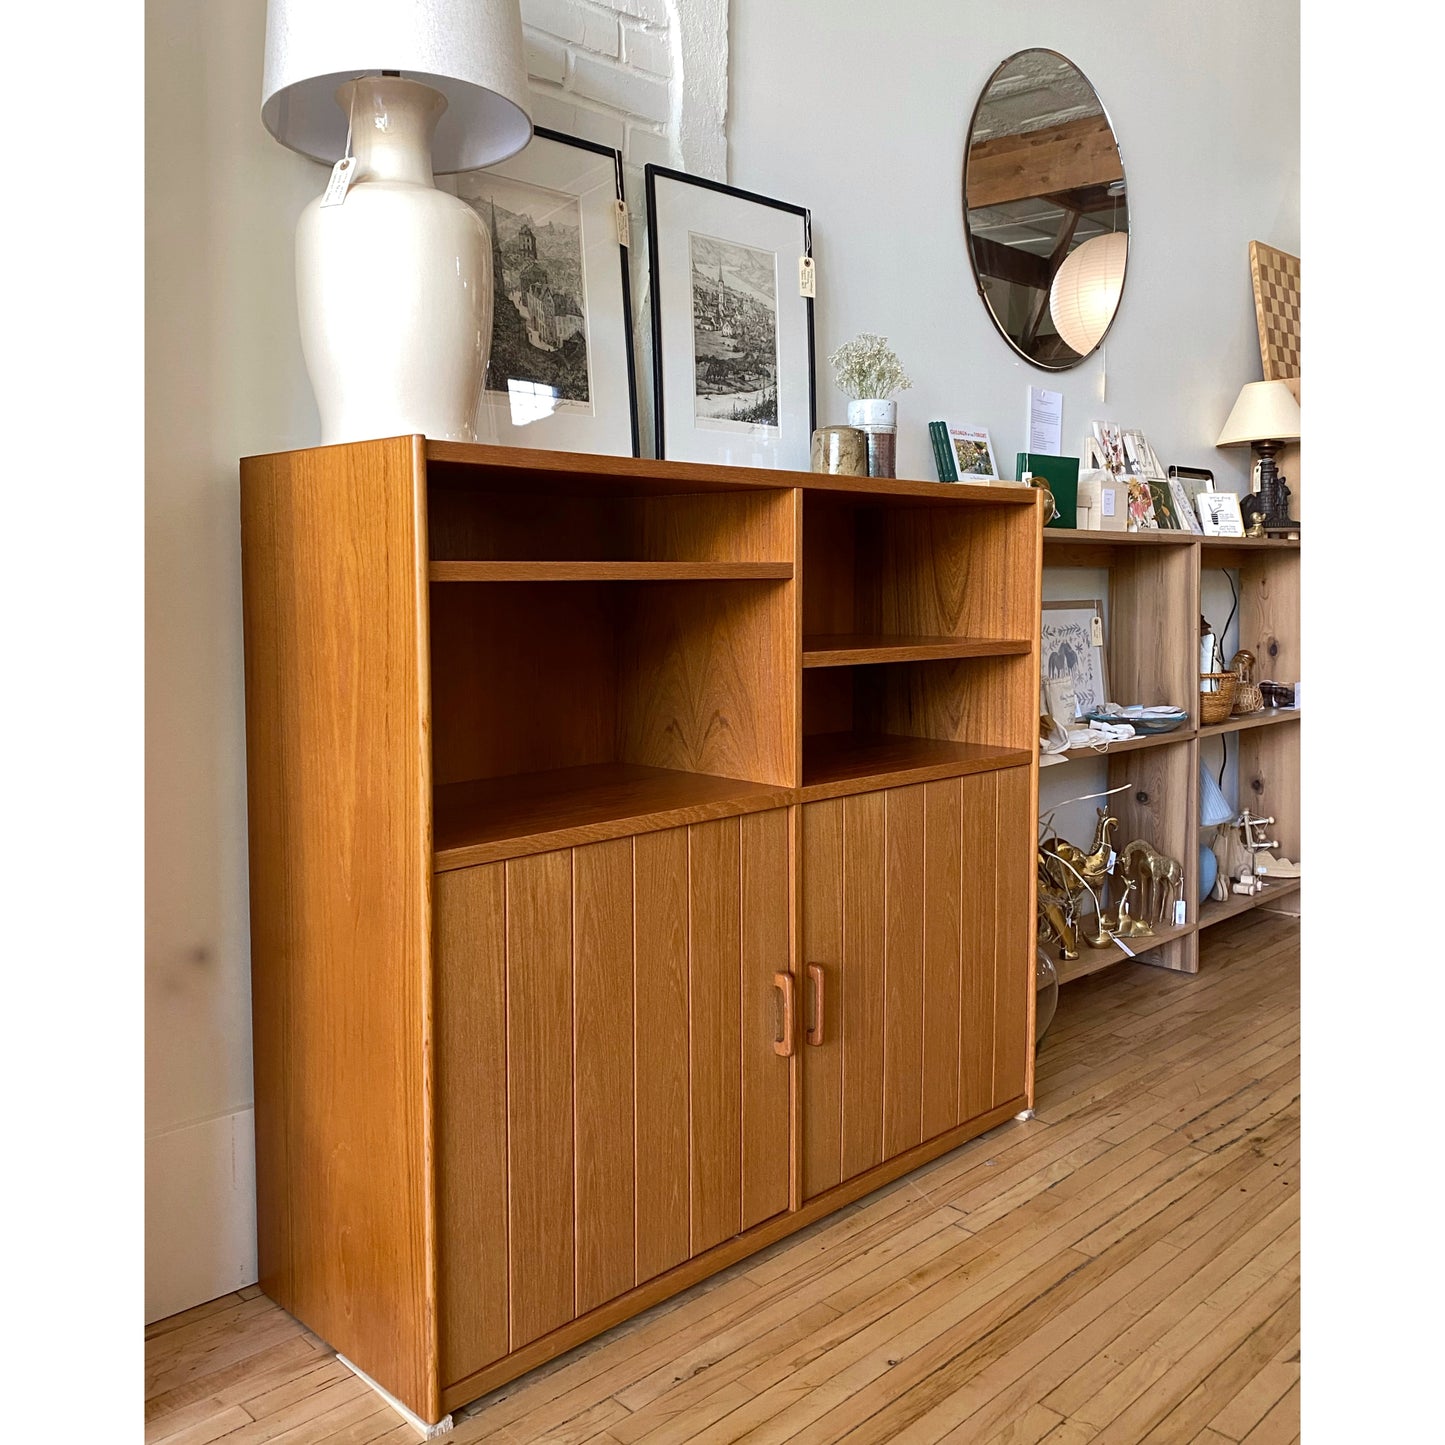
x=1086 y=290
x=469 y=50
x=1266 y=411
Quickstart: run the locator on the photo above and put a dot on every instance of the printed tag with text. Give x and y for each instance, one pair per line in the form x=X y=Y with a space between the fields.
x=341 y=177
x=807 y=282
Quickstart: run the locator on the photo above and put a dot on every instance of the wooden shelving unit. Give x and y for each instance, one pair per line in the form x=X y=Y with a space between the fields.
x=641 y=868
x=1152 y=640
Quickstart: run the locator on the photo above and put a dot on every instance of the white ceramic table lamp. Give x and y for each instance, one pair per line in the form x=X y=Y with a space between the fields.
x=394 y=284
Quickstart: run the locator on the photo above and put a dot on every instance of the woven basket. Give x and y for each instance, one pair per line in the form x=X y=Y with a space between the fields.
x=1214 y=707
x=1247 y=695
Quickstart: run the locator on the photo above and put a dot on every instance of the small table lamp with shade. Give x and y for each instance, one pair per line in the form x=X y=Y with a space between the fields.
x=1265 y=416
x=393 y=276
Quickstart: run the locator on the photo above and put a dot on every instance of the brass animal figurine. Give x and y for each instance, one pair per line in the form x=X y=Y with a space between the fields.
x=1159 y=879
x=1092 y=866
x=1120 y=923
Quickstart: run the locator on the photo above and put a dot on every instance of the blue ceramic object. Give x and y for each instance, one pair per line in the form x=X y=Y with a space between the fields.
x=1208 y=872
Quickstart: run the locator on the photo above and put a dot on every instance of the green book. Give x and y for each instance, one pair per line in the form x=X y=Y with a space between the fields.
x=940 y=452
x=1062 y=476
x=948 y=466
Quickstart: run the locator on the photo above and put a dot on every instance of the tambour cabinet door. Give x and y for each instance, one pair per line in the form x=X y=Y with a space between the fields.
x=915 y=954
x=610 y=1098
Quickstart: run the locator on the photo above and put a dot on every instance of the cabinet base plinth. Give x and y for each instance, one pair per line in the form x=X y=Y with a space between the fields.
x=423 y=1429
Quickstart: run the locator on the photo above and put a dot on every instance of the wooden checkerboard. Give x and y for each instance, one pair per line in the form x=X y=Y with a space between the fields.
x=1276 y=307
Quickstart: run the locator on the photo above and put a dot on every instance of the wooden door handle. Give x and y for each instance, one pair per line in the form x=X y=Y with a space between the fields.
x=784 y=1045
x=815 y=1034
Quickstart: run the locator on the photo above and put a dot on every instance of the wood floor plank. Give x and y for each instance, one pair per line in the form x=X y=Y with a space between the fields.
x=1122 y=1268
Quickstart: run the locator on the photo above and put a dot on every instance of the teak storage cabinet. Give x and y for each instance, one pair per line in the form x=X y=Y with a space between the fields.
x=641 y=868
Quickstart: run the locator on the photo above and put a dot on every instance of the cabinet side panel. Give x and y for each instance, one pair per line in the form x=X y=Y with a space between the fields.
x=979 y=872
x=539 y=1093
x=903 y=974
x=339 y=796
x=715 y=1039
x=602 y=1042
x=822 y=860
x=942 y=954
x=765 y=932
x=857 y=1003
x=471 y=1030
x=661 y=1059
x=1014 y=975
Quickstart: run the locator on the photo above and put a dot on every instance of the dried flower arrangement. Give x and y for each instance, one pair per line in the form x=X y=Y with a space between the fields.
x=867 y=368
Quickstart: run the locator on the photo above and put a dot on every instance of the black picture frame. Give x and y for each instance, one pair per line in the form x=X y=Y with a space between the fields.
x=794 y=442
x=624 y=321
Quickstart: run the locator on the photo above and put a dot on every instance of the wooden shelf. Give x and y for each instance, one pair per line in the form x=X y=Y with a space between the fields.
x=1252 y=720
x=1237 y=903
x=1251 y=544
x=1093 y=537
x=522 y=469
x=492 y=818
x=609 y=571
x=835 y=764
x=1092 y=960
x=1181 y=734
x=856 y=649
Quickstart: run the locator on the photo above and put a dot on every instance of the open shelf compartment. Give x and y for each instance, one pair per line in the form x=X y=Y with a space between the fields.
x=886 y=724
x=888 y=582
x=566 y=713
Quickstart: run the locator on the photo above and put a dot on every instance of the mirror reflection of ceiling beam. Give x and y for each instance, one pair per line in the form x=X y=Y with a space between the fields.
x=1068 y=224
x=1005 y=263
x=1078 y=153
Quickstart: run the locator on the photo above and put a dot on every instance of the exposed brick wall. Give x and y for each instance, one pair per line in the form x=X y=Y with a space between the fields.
x=606 y=70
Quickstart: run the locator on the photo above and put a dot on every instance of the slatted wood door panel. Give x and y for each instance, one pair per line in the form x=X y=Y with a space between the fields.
x=609 y=1099
x=915 y=934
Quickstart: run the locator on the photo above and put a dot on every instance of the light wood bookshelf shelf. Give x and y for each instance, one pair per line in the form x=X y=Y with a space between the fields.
x=1154 y=590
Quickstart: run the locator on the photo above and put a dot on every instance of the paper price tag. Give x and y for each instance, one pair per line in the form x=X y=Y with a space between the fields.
x=341 y=177
x=1179 y=913
x=1124 y=948
x=624 y=235
x=1096 y=631
x=807 y=280
x=1106 y=501
x=1112 y=856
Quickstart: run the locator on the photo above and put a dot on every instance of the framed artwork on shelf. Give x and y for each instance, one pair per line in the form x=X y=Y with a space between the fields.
x=1219 y=514
x=1165 y=516
x=1193 y=480
x=560 y=373
x=1183 y=505
x=1139 y=457
x=972 y=454
x=1073 y=652
x=732 y=330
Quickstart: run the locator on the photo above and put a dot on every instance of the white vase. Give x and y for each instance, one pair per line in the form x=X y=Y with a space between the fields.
x=394 y=286
x=873 y=412
x=877 y=419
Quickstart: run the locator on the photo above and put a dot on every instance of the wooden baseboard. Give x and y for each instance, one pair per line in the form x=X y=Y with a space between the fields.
x=685 y=1275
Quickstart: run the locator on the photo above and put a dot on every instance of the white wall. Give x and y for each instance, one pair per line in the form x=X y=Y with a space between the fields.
x=224 y=378
x=858 y=111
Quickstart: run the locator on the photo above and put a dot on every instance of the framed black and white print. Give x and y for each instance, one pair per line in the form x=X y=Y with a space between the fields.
x=732 y=331
x=560 y=373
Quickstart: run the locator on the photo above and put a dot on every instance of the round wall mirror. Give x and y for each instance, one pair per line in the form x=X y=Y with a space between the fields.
x=1045 y=209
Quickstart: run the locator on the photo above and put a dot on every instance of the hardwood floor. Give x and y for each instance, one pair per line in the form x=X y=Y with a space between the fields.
x=1124 y=1267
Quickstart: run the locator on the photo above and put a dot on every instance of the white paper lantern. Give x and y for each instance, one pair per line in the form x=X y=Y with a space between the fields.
x=1086 y=290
